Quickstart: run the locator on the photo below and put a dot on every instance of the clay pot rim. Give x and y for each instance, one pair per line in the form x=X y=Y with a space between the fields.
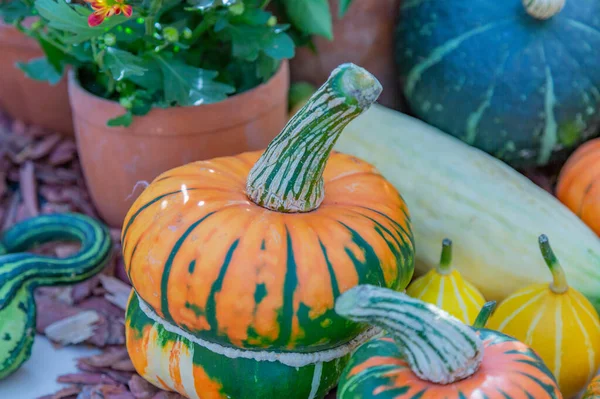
x=11 y=36
x=238 y=101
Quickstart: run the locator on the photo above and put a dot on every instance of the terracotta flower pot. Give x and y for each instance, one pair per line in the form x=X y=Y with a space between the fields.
x=30 y=101
x=365 y=37
x=114 y=159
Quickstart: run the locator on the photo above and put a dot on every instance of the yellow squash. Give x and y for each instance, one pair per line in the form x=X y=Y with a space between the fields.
x=558 y=322
x=446 y=288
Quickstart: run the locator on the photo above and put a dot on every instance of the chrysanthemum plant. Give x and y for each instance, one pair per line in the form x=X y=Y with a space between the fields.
x=154 y=53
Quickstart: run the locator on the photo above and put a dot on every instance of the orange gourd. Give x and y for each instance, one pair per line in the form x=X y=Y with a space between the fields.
x=578 y=184
x=593 y=390
x=237 y=261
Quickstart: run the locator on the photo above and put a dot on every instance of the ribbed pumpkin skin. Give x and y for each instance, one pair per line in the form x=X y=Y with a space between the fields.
x=562 y=328
x=210 y=261
x=578 y=186
x=593 y=390
x=509 y=370
x=174 y=363
x=529 y=100
x=451 y=293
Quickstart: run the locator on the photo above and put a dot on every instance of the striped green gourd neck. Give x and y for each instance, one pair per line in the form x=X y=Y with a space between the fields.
x=438 y=347
x=543 y=9
x=288 y=177
x=445 y=266
x=21 y=273
x=559 y=283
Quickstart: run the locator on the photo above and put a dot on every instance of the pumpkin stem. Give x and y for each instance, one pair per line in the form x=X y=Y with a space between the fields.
x=484 y=314
x=543 y=9
x=445 y=266
x=559 y=283
x=288 y=177
x=437 y=346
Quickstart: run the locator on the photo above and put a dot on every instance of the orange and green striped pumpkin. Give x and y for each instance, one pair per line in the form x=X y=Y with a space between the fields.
x=428 y=354
x=237 y=261
x=593 y=390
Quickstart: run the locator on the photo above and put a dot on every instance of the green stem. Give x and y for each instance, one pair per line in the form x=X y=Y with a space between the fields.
x=437 y=346
x=445 y=266
x=559 y=279
x=150 y=19
x=288 y=177
x=484 y=314
x=199 y=30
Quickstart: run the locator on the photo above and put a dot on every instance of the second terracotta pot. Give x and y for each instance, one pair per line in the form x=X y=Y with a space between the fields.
x=30 y=101
x=364 y=36
x=115 y=159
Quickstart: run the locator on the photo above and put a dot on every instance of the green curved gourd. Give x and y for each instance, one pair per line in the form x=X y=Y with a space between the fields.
x=21 y=273
x=428 y=354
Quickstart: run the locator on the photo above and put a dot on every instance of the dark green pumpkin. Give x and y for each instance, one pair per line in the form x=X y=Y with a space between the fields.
x=523 y=89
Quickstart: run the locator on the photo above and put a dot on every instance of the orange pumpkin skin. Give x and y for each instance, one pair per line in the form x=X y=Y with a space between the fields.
x=510 y=369
x=593 y=390
x=206 y=258
x=578 y=184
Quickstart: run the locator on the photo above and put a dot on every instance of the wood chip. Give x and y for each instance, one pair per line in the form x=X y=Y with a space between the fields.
x=66 y=392
x=63 y=153
x=11 y=213
x=39 y=149
x=74 y=329
x=27 y=185
x=86 y=379
x=141 y=389
x=117 y=291
x=107 y=358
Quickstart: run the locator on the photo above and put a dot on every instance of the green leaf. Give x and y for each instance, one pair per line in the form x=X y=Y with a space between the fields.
x=343 y=7
x=56 y=57
x=73 y=20
x=12 y=11
x=249 y=41
x=266 y=67
x=40 y=69
x=185 y=85
x=152 y=78
x=123 y=120
x=280 y=47
x=122 y=64
x=310 y=16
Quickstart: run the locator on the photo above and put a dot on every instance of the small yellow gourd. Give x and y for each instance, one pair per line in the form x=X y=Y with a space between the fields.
x=558 y=322
x=446 y=288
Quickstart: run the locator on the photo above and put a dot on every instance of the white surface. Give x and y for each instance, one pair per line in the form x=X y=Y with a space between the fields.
x=37 y=376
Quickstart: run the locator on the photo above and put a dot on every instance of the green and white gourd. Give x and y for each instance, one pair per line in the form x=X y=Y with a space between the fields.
x=21 y=273
x=428 y=354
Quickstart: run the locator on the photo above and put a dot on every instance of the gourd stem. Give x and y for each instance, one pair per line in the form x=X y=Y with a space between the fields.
x=559 y=279
x=543 y=9
x=288 y=177
x=437 y=346
x=484 y=314
x=445 y=266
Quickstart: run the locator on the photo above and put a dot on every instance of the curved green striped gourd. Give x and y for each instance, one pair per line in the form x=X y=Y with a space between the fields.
x=21 y=273
x=429 y=354
x=524 y=88
x=250 y=252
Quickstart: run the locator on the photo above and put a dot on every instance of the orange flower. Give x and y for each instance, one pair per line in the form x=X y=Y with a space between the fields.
x=107 y=8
